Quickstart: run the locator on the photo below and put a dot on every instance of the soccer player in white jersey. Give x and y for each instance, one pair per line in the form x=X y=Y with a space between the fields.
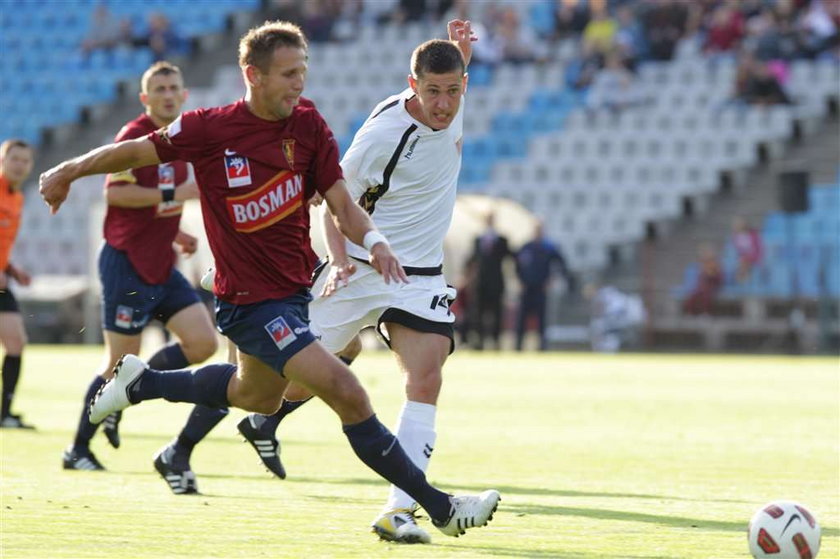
x=402 y=167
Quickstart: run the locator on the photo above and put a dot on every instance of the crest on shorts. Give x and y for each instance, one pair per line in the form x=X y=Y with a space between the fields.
x=124 y=316
x=280 y=332
x=289 y=152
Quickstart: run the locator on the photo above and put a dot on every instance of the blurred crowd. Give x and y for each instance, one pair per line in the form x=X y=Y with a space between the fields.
x=108 y=32
x=607 y=39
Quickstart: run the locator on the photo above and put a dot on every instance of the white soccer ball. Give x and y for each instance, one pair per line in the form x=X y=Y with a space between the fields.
x=784 y=530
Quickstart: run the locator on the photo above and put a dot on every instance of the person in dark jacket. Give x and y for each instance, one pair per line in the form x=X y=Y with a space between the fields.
x=535 y=262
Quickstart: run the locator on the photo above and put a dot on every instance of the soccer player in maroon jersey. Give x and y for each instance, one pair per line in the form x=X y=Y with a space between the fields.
x=140 y=282
x=251 y=160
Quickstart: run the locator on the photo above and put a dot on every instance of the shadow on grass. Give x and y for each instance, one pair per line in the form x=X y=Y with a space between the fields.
x=630 y=516
x=525 y=552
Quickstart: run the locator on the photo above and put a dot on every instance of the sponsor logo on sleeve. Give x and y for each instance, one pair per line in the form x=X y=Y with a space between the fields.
x=268 y=204
x=238 y=169
x=280 y=332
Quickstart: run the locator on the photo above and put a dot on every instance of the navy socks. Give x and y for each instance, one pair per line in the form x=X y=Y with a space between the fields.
x=169 y=357
x=86 y=429
x=200 y=423
x=206 y=385
x=11 y=374
x=377 y=447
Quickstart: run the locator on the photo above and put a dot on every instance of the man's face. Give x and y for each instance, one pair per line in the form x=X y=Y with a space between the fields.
x=280 y=88
x=165 y=97
x=439 y=96
x=16 y=164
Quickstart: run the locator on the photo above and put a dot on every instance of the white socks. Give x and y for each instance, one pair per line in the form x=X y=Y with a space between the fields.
x=416 y=432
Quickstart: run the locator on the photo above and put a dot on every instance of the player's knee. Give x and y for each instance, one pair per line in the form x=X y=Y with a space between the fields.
x=200 y=350
x=256 y=403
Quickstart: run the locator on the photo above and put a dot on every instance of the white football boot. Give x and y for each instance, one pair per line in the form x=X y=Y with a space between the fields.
x=469 y=511
x=113 y=396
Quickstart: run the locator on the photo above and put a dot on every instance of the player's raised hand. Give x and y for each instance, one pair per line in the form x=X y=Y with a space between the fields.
x=461 y=32
x=54 y=186
x=338 y=277
x=386 y=263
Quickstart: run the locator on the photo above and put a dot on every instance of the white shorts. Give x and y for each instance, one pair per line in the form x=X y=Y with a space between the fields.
x=422 y=305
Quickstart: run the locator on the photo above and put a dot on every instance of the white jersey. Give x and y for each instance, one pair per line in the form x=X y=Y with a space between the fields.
x=405 y=175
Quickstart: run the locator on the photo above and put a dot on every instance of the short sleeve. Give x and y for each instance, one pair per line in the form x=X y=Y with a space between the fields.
x=182 y=140
x=325 y=169
x=130 y=131
x=364 y=163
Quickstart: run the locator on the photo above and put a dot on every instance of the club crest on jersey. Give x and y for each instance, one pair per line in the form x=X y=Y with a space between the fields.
x=237 y=168
x=278 y=197
x=289 y=152
x=123 y=316
x=280 y=332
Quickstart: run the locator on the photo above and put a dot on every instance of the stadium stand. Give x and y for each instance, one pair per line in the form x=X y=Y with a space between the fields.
x=608 y=174
x=49 y=79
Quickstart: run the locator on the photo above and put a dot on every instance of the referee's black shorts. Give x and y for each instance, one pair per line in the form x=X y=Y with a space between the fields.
x=8 y=303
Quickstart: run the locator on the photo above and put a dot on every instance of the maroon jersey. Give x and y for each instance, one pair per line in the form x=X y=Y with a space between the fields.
x=252 y=175
x=146 y=234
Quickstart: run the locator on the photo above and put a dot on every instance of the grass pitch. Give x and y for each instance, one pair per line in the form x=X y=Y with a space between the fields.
x=644 y=456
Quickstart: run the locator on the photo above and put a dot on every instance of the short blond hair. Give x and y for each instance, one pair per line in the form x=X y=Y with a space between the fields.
x=160 y=68
x=257 y=46
x=6 y=146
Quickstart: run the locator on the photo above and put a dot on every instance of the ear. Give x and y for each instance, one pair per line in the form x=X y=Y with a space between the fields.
x=253 y=76
x=185 y=95
x=464 y=83
x=412 y=83
x=144 y=98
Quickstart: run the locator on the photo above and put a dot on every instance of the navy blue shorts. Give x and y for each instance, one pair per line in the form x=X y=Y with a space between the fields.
x=129 y=303
x=8 y=303
x=272 y=331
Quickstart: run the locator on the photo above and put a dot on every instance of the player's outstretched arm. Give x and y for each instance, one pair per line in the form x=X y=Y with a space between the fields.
x=131 y=154
x=356 y=225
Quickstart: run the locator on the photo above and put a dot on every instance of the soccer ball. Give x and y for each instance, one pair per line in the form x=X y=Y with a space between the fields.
x=783 y=530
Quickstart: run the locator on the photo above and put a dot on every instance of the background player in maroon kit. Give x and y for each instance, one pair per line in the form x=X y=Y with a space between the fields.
x=251 y=159
x=139 y=281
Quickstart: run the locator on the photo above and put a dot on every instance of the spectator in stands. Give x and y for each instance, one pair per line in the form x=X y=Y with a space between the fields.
x=614 y=317
x=629 y=39
x=106 y=31
x=16 y=158
x=535 y=262
x=725 y=30
x=519 y=44
x=820 y=30
x=489 y=253
x=709 y=282
x=756 y=84
x=318 y=19
x=664 y=22
x=747 y=242
x=599 y=34
x=570 y=18
x=161 y=38
x=614 y=88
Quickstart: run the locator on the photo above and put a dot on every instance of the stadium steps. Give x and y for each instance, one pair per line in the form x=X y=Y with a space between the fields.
x=661 y=262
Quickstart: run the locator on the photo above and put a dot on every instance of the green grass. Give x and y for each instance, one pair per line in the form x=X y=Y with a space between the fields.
x=596 y=456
